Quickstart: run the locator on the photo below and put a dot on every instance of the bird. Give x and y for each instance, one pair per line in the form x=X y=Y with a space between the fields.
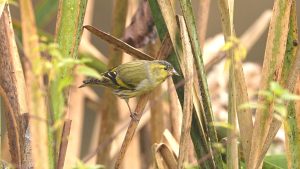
x=133 y=78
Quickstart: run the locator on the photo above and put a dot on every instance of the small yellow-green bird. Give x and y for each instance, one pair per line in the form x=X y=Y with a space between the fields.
x=134 y=78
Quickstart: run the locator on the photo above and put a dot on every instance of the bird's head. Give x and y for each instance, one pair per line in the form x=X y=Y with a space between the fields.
x=168 y=68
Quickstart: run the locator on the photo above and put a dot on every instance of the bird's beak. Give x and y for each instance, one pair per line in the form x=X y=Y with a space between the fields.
x=175 y=73
x=81 y=86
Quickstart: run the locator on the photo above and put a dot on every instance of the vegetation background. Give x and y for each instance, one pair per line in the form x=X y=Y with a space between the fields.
x=99 y=120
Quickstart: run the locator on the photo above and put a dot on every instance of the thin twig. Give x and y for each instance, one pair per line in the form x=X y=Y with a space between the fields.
x=131 y=129
x=63 y=144
x=187 y=61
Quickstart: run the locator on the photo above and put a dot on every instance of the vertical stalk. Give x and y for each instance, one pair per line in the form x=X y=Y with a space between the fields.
x=226 y=12
x=187 y=11
x=164 y=18
x=35 y=86
x=291 y=68
x=67 y=35
x=187 y=62
x=272 y=71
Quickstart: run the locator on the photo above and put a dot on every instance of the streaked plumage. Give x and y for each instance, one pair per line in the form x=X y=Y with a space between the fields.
x=134 y=78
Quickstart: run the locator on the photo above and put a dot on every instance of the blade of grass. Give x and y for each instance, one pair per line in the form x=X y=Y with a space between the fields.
x=10 y=84
x=163 y=157
x=35 y=87
x=67 y=35
x=187 y=12
x=232 y=145
x=69 y=26
x=77 y=103
x=244 y=116
x=295 y=153
x=187 y=62
x=290 y=71
x=298 y=103
x=171 y=24
x=226 y=12
x=170 y=140
x=13 y=91
x=292 y=128
x=166 y=38
x=273 y=60
x=164 y=17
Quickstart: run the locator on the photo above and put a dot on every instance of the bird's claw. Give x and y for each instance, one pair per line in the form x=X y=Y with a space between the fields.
x=134 y=116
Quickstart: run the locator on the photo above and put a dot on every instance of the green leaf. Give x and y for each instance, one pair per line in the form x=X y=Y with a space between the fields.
x=93 y=62
x=10 y=2
x=81 y=165
x=68 y=62
x=267 y=94
x=189 y=166
x=87 y=71
x=290 y=96
x=251 y=105
x=228 y=45
x=64 y=82
x=219 y=147
x=276 y=88
x=222 y=124
x=281 y=110
x=275 y=162
x=45 y=11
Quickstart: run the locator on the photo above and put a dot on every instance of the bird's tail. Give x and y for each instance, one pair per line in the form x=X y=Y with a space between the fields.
x=91 y=81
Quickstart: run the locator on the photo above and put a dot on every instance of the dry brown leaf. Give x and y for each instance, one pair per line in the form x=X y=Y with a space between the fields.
x=141 y=30
x=163 y=157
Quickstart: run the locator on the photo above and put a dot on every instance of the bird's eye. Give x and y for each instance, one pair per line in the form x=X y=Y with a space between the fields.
x=166 y=68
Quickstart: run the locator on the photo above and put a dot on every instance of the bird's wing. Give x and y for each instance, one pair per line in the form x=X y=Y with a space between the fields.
x=131 y=74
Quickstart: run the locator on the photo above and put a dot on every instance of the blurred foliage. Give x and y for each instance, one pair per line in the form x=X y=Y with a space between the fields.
x=81 y=165
x=54 y=66
x=274 y=94
x=275 y=162
x=239 y=50
x=45 y=11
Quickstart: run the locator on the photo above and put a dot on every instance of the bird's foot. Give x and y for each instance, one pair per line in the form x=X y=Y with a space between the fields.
x=134 y=116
